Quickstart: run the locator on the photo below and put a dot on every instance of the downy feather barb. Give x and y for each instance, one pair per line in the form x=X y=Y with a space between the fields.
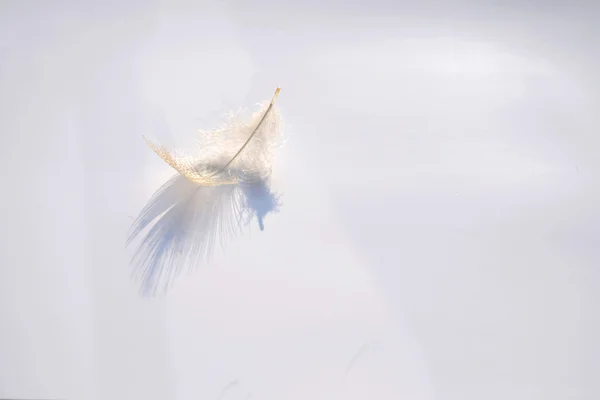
x=217 y=190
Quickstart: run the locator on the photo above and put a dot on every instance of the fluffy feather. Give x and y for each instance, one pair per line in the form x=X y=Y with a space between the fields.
x=219 y=188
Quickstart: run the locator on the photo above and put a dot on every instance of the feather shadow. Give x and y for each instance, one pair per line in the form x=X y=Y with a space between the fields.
x=183 y=222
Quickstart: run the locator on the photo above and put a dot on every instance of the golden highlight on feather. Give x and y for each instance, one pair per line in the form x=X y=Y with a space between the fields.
x=205 y=172
x=188 y=167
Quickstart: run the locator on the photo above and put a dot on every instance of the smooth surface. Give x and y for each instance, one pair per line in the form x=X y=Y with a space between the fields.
x=439 y=231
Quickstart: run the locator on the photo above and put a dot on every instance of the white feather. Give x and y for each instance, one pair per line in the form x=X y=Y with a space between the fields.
x=218 y=189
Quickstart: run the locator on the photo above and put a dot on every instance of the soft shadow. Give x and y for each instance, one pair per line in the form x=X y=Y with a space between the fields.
x=182 y=222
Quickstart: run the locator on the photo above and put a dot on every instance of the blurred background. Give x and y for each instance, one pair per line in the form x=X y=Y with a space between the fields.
x=439 y=235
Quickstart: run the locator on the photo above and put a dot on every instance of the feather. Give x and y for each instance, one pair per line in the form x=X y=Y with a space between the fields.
x=217 y=191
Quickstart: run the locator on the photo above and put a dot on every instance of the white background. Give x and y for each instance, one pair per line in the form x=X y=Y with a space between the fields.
x=440 y=213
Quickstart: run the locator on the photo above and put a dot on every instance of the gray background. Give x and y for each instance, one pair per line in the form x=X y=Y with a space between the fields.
x=440 y=184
